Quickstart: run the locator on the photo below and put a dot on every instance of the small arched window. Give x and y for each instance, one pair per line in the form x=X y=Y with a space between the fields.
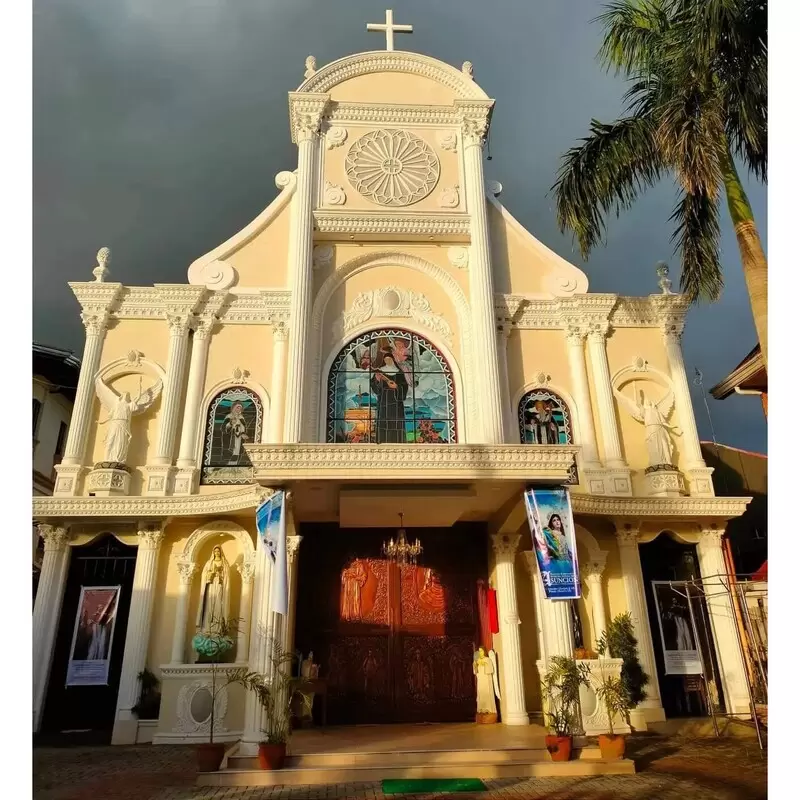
x=235 y=416
x=544 y=418
x=391 y=386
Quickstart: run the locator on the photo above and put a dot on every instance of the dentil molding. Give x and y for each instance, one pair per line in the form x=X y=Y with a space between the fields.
x=442 y=225
x=718 y=507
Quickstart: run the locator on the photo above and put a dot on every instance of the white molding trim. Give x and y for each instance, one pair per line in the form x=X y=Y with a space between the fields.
x=717 y=507
x=389 y=322
x=130 y=366
x=367 y=114
x=221 y=527
x=445 y=226
x=324 y=79
x=211 y=270
x=387 y=258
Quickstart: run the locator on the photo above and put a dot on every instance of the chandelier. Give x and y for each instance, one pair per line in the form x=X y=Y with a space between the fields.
x=401 y=551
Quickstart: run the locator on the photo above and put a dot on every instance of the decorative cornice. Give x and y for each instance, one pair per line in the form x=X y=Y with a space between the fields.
x=138 y=507
x=681 y=507
x=452 y=226
x=279 y=463
x=386 y=114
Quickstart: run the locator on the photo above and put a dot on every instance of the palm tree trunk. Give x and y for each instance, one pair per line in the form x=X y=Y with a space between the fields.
x=754 y=262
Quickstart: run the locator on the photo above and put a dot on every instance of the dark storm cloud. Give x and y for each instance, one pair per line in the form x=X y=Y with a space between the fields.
x=159 y=126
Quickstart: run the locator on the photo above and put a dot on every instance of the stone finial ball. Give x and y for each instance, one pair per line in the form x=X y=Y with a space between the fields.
x=104 y=255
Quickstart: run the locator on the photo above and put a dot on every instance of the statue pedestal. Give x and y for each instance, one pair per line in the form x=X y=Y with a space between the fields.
x=486 y=719
x=664 y=481
x=109 y=479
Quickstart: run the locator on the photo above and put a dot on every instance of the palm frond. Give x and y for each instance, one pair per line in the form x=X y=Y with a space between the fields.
x=605 y=174
x=696 y=238
x=633 y=34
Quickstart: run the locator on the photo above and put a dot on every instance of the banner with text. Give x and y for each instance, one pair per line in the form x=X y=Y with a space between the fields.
x=93 y=635
x=553 y=534
x=681 y=652
x=271 y=524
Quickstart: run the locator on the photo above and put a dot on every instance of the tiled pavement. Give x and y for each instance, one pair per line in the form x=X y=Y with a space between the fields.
x=667 y=768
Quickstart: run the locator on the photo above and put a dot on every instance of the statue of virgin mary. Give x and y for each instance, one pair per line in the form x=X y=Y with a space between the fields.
x=214 y=593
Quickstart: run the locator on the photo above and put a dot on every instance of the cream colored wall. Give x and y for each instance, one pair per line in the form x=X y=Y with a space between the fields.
x=400 y=88
x=263 y=261
x=450 y=174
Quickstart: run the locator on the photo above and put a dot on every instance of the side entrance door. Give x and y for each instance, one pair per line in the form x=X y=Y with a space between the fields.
x=395 y=643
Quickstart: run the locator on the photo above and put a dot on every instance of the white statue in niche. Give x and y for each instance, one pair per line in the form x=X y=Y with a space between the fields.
x=120 y=409
x=485 y=668
x=656 y=427
x=214 y=593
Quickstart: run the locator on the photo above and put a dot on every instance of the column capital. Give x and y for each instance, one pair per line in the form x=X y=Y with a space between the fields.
x=95 y=322
x=531 y=565
x=186 y=571
x=597 y=330
x=672 y=329
x=247 y=569
x=593 y=569
x=293 y=547
x=305 y=115
x=150 y=534
x=179 y=322
x=505 y=545
x=56 y=537
x=575 y=335
x=204 y=327
x=280 y=330
x=627 y=531
x=475 y=119
x=710 y=538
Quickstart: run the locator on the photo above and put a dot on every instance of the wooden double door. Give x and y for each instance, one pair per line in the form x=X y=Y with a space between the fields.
x=395 y=644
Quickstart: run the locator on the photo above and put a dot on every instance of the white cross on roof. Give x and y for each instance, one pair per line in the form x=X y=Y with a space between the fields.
x=389 y=28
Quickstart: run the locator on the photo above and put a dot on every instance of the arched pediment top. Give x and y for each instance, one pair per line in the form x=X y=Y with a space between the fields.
x=213 y=529
x=324 y=79
x=133 y=364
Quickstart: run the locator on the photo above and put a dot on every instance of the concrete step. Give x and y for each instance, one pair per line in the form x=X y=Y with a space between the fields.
x=322 y=776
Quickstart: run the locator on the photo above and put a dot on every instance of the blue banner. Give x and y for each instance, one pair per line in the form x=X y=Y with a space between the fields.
x=271 y=525
x=553 y=534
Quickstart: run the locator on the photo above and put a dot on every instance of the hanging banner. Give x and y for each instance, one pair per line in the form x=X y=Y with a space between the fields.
x=271 y=525
x=681 y=653
x=553 y=534
x=90 y=652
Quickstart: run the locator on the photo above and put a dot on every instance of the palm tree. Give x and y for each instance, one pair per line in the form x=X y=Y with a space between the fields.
x=697 y=101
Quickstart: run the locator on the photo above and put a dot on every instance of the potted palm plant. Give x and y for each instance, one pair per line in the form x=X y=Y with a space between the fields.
x=561 y=687
x=611 y=692
x=619 y=641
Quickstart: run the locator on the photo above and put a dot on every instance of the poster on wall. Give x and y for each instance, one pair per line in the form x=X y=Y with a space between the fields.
x=271 y=526
x=681 y=651
x=553 y=533
x=90 y=651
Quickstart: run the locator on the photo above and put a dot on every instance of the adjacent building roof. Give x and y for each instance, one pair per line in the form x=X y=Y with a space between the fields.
x=749 y=375
x=60 y=368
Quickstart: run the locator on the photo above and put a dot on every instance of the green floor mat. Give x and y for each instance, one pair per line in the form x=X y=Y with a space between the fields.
x=431 y=785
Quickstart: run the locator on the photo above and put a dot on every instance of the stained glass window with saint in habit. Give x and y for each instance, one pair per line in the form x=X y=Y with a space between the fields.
x=391 y=386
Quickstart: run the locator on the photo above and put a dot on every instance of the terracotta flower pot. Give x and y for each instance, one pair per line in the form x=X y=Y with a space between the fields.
x=612 y=746
x=209 y=756
x=271 y=756
x=559 y=747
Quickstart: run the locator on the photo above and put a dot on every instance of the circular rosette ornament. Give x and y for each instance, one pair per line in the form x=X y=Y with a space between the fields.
x=392 y=167
x=212 y=645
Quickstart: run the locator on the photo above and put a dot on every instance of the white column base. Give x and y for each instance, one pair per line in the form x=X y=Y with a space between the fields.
x=106 y=480
x=68 y=480
x=618 y=482
x=125 y=730
x=594 y=479
x=664 y=483
x=158 y=480
x=186 y=481
x=699 y=480
x=517 y=718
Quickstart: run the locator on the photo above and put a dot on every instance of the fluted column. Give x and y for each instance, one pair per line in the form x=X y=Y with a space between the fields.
x=306 y=116
x=723 y=622
x=505 y=548
x=173 y=388
x=510 y=427
x=683 y=397
x=633 y=583
x=47 y=610
x=137 y=637
x=538 y=601
x=556 y=618
x=475 y=125
x=292 y=553
x=278 y=387
x=186 y=571
x=187 y=456
x=580 y=388
x=247 y=570
x=605 y=396
x=593 y=576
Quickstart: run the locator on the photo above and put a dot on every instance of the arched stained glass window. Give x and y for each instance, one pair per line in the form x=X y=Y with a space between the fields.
x=544 y=418
x=235 y=416
x=391 y=386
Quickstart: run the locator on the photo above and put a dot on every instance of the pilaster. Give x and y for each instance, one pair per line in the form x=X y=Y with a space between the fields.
x=247 y=569
x=505 y=548
x=723 y=622
x=280 y=335
x=475 y=118
x=510 y=429
x=186 y=571
x=47 y=610
x=592 y=574
x=126 y=724
x=555 y=615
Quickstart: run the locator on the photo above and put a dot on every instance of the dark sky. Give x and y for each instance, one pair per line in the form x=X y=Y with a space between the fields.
x=159 y=126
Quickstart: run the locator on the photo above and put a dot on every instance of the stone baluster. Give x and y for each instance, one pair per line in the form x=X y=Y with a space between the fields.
x=307 y=113
x=484 y=356
x=186 y=571
x=505 y=548
x=134 y=658
x=47 y=610
x=580 y=388
x=723 y=622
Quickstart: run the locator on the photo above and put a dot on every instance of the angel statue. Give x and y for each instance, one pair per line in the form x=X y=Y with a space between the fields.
x=120 y=409
x=654 y=418
x=485 y=668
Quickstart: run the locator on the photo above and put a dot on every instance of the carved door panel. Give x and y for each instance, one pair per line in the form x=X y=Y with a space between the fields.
x=395 y=644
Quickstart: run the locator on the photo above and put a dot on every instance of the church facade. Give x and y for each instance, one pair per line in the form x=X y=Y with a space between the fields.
x=383 y=339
